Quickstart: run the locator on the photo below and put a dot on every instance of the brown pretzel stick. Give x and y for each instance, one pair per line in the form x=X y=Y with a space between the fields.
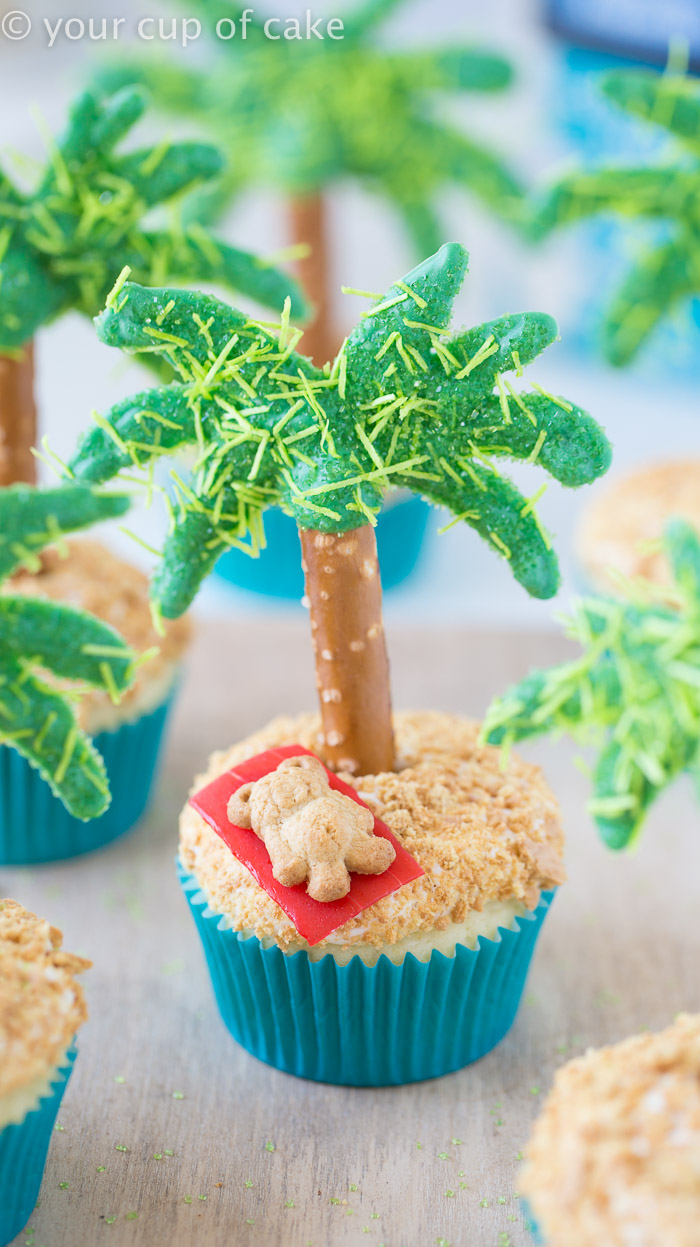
x=352 y=669
x=17 y=418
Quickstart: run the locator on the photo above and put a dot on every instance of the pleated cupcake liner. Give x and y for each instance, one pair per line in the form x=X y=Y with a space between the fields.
x=23 y=1151
x=277 y=572
x=365 y=1026
x=36 y=827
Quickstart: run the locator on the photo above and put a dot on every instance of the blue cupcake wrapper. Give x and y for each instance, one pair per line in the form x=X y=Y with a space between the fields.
x=36 y=827
x=278 y=573
x=357 y=1025
x=23 y=1151
x=531 y=1224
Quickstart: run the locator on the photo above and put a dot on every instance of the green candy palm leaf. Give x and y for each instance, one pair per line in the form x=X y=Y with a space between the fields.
x=669 y=272
x=48 y=650
x=407 y=403
x=634 y=692
x=64 y=244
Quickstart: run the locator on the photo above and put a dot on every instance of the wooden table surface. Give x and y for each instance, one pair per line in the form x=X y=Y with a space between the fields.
x=267 y=1160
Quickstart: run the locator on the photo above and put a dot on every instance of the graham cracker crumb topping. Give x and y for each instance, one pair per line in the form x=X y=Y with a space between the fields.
x=41 y=1005
x=615 y=1156
x=479 y=833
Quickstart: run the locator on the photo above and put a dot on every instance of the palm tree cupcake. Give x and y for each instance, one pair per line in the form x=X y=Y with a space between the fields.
x=615 y=1155
x=350 y=864
x=41 y=1007
x=51 y=776
x=61 y=248
x=633 y=693
x=302 y=116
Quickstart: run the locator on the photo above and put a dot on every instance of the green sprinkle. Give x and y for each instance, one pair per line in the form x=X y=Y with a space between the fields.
x=484 y=1203
x=119 y=1078
x=120 y=1147
x=101 y=1168
x=110 y=1220
x=450 y=1194
x=167 y=1152
x=178 y=1095
x=132 y=1216
x=63 y=1186
x=248 y=1183
x=269 y=1147
x=188 y=1199
x=59 y=1128
x=289 y=1203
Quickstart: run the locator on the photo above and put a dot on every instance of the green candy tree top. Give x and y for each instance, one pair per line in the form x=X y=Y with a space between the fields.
x=300 y=115
x=634 y=692
x=669 y=192
x=37 y=717
x=63 y=244
x=407 y=402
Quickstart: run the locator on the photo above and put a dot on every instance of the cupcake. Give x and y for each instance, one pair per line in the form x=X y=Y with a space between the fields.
x=621 y=531
x=41 y=1008
x=614 y=1157
x=458 y=936
x=34 y=825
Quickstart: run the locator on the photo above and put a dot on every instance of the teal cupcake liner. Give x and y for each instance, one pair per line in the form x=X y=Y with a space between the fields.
x=363 y=1026
x=277 y=572
x=531 y=1224
x=23 y=1151
x=35 y=826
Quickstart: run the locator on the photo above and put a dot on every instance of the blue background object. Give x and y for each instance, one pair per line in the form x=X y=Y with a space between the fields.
x=277 y=572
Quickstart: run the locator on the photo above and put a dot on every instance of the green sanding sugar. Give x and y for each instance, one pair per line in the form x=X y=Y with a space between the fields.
x=38 y=635
x=62 y=244
x=663 y=273
x=633 y=692
x=325 y=445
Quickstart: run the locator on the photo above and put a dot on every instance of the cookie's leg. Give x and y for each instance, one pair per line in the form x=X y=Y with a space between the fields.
x=369 y=855
x=328 y=881
x=287 y=867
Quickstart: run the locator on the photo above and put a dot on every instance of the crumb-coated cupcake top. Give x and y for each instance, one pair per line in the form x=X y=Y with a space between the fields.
x=85 y=574
x=480 y=833
x=622 y=527
x=614 y=1158
x=41 y=1005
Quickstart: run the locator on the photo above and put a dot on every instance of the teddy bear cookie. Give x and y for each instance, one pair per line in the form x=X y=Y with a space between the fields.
x=311 y=831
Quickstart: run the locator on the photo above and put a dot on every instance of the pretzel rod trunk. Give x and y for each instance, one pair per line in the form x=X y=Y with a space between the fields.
x=308 y=224
x=352 y=669
x=17 y=418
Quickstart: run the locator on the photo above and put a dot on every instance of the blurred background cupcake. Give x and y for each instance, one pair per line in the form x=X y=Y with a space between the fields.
x=621 y=530
x=41 y=1007
x=615 y=1155
x=128 y=733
